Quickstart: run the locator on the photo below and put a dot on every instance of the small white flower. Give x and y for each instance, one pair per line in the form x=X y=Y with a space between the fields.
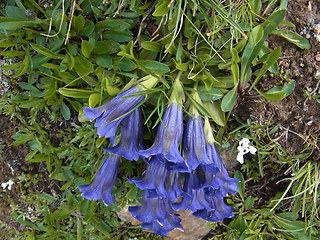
x=7 y=185
x=244 y=148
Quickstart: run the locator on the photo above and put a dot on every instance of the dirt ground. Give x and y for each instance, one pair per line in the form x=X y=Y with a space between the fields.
x=298 y=115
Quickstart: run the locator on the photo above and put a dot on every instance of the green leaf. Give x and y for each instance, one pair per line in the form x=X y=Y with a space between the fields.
x=272 y=58
x=293 y=37
x=78 y=23
x=293 y=228
x=251 y=51
x=21 y=138
x=87 y=29
x=241 y=184
x=278 y=93
x=24 y=67
x=118 y=36
x=83 y=66
x=112 y=25
x=155 y=67
x=75 y=93
x=14 y=12
x=90 y=80
x=94 y=99
x=151 y=46
x=127 y=51
x=249 y=202
x=209 y=95
x=47 y=197
x=264 y=212
x=239 y=224
x=255 y=5
x=161 y=8
x=65 y=111
x=86 y=48
x=214 y=109
x=39 y=158
x=17 y=23
x=46 y=52
x=62 y=214
x=229 y=100
x=104 y=61
x=126 y=65
x=106 y=47
x=31 y=103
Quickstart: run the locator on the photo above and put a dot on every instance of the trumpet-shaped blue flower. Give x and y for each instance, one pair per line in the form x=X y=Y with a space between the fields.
x=221 y=182
x=131 y=137
x=108 y=115
x=194 y=196
x=158 y=177
x=169 y=136
x=162 y=228
x=219 y=211
x=156 y=214
x=102 y=184
x=194 y=149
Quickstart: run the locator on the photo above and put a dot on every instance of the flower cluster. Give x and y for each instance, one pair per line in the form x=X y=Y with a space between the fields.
x=194 y=179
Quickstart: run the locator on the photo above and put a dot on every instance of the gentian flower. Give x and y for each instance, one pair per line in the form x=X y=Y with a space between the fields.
x=168 y=136
x=102 y=184
x=131 y=137
x=162 y=228
x=159 y=177
x=217 y=179
x=156 y=214
x=220 y=211
x=108 y=115
x=194 y=194
x=194 y=146
x=221 y=182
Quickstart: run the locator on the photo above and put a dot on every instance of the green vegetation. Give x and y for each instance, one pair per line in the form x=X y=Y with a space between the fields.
x=63 y=55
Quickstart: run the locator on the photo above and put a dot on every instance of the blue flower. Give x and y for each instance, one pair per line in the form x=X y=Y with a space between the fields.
x=131 y=137
x=162 y=228
x=159 y=177
x=194 y=149
x=156 y=214
x=108 y=115
x=221 y=182
x=194 y=196
x=169 y=136
x=220 y=211
x=102 y=184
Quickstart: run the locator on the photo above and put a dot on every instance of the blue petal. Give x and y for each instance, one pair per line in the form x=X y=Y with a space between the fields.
x=152 y=208
x=194 y=145
x=102 y=184
x=156 y=214
x=107 y=115
x=131 y=137
x=158 y=177
x=169 y=136
x=220 y=212
x=194 y=197
x=162 y=228
x=220 y=181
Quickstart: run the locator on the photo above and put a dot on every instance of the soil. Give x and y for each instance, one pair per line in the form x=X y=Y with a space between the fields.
x=299 y=116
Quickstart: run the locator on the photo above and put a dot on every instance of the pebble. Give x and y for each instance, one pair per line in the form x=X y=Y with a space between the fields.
x=318 y=57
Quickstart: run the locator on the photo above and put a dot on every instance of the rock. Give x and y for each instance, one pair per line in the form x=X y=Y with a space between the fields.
x=126 y=216
x=194 y=228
